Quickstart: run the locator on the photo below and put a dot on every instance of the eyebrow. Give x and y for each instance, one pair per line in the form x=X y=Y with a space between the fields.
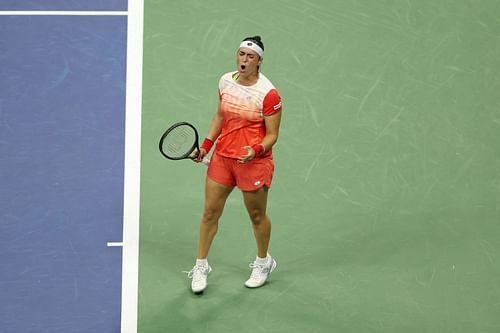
x=250 y=54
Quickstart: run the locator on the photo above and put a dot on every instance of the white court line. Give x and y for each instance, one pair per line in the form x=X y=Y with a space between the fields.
x=132 y=180
x=114 y=244
x=133 y=111
x=63 y=13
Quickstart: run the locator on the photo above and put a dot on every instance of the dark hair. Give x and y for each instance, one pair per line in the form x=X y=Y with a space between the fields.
x=257 y=40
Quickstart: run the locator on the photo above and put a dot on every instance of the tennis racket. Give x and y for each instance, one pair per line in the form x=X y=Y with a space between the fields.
x=180 y=141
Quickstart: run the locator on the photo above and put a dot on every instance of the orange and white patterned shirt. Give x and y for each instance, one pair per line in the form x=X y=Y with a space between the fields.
x=244 y=109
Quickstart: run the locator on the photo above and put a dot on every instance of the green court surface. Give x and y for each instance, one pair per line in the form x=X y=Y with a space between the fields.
x=386 y=197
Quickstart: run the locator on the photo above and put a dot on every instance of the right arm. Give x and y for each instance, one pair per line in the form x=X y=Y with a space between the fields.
x=213 y=133
x=215 y=126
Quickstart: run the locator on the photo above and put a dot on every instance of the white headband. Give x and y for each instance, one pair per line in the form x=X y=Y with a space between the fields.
x=252 y=46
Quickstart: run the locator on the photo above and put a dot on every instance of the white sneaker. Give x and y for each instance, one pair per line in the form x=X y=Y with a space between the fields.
x=260 y=273
x=199 y=276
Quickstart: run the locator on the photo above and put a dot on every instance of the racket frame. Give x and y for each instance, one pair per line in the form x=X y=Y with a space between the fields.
x=195 y=146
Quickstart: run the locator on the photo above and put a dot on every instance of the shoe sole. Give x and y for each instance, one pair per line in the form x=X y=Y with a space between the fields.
x=273 y=267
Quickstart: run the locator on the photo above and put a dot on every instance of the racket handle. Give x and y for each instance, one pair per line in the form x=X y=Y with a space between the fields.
x=206 y=161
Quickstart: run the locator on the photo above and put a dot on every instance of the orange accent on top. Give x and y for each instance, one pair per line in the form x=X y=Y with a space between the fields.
x=244 y=109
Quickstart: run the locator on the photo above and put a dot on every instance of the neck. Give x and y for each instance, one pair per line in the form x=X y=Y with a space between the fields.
x=247 y=80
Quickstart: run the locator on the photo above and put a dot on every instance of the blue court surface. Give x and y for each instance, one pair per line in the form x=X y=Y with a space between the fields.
x=64 y=5
x=62 y=138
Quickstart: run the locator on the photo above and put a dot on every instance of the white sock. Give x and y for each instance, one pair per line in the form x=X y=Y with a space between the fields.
x=261 y=261
x=202 y=262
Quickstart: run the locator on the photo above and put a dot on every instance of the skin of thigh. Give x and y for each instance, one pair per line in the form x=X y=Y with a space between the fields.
x=256 y=203
x=215 y=198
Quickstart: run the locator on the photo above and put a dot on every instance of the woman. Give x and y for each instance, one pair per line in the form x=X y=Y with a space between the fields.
x=246 y=127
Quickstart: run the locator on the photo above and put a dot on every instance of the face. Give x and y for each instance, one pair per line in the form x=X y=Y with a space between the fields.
x=247 y=61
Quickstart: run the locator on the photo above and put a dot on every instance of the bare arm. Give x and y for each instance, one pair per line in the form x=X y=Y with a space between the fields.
x=215 y=126
x=272 y=132
x=213 y=133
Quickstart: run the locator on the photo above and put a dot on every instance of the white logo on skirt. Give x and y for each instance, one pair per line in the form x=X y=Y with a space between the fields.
x=257 y=183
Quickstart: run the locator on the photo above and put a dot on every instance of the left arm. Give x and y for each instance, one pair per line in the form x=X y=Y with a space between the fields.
x=272 y=132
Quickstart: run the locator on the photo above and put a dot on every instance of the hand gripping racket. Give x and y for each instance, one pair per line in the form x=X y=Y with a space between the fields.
x=180 y=141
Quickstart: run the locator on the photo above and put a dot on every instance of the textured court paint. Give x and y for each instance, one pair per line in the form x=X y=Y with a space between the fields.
x=63 y=5
x=62 y=108
x=385 y=203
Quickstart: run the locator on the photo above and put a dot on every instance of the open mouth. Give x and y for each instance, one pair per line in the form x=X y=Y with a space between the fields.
x=243 y=67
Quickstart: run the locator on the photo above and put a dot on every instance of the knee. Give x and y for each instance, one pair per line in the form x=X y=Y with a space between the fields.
x=257 y=216
x=210 y=215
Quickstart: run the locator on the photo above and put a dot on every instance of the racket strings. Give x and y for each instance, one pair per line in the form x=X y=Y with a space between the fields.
x=179 y=142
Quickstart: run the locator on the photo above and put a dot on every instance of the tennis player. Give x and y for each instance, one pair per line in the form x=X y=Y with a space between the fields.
x=245 y=127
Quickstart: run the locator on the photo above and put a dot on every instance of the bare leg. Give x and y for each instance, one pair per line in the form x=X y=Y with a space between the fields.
x=215 y=199
x=256 y=203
